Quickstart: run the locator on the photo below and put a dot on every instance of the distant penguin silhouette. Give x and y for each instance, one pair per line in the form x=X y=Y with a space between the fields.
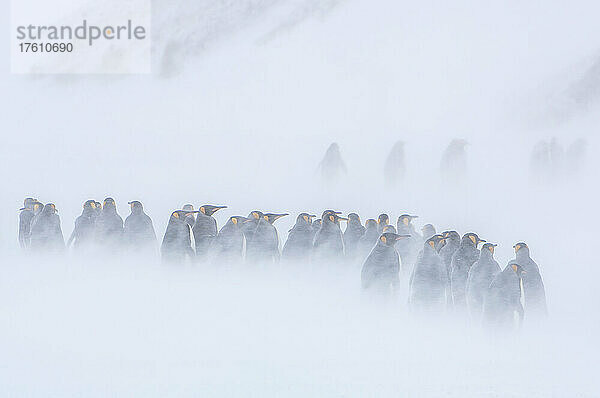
x=394 y=168
x=453 y=166
x=332 y=168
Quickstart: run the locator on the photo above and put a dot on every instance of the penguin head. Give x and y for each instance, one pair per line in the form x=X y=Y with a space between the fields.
x=188 y=207
x=471 y=239
x=109 y=204
x=333 y=150
x=406 y=219
x=488 y=249
x=398 y=146
x=209 y=210
x=371 y=224
x=181 y=215
x=98 y=205
x=383 y=220
x=136 y=207
x=37 y=207
x=237 y=220
x=332 y=217
x=451 y=236
x=390 y=228
x=428 y=230
x=256 y=215
x=28 y=203
x=272 y=217
x=390 y=238
x=49 y=208
x=516 y=268
x=521 y=249
x=354 y=218
x=317 y=223
x=89 y=206
x=436 y=242
x=305 y=218
x=326 y=213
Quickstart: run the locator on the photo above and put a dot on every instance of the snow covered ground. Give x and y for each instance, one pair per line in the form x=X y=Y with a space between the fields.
x=241 y=117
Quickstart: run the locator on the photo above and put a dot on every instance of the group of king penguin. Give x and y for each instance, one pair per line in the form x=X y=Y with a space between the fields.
x=443 y=272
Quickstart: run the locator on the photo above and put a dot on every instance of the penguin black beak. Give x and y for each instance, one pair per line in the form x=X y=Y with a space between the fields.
x=400 y=237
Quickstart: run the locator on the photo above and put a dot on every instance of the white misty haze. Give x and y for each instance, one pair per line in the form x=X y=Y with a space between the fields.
x=244 y=122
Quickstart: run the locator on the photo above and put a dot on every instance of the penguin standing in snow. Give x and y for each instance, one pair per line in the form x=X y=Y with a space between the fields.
x=427 y=285
x=205 y=229
x=452 y=239
x=298 y=245
x=138 y=231
x=381 y=269
x=177 y=242
x=25 y=218
x=262 y=239
x=46 y=232
x=329 y=241
x=368 y=239
x=83 y=233
x=352 y=234
x=408 y=249
x=463 y=259
x=109 y=226
x=228 y=246
x=332 y=167
x=316 y=226
x=394 y=167
x=503 y=300
x=534 y=293
x=480 y=277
